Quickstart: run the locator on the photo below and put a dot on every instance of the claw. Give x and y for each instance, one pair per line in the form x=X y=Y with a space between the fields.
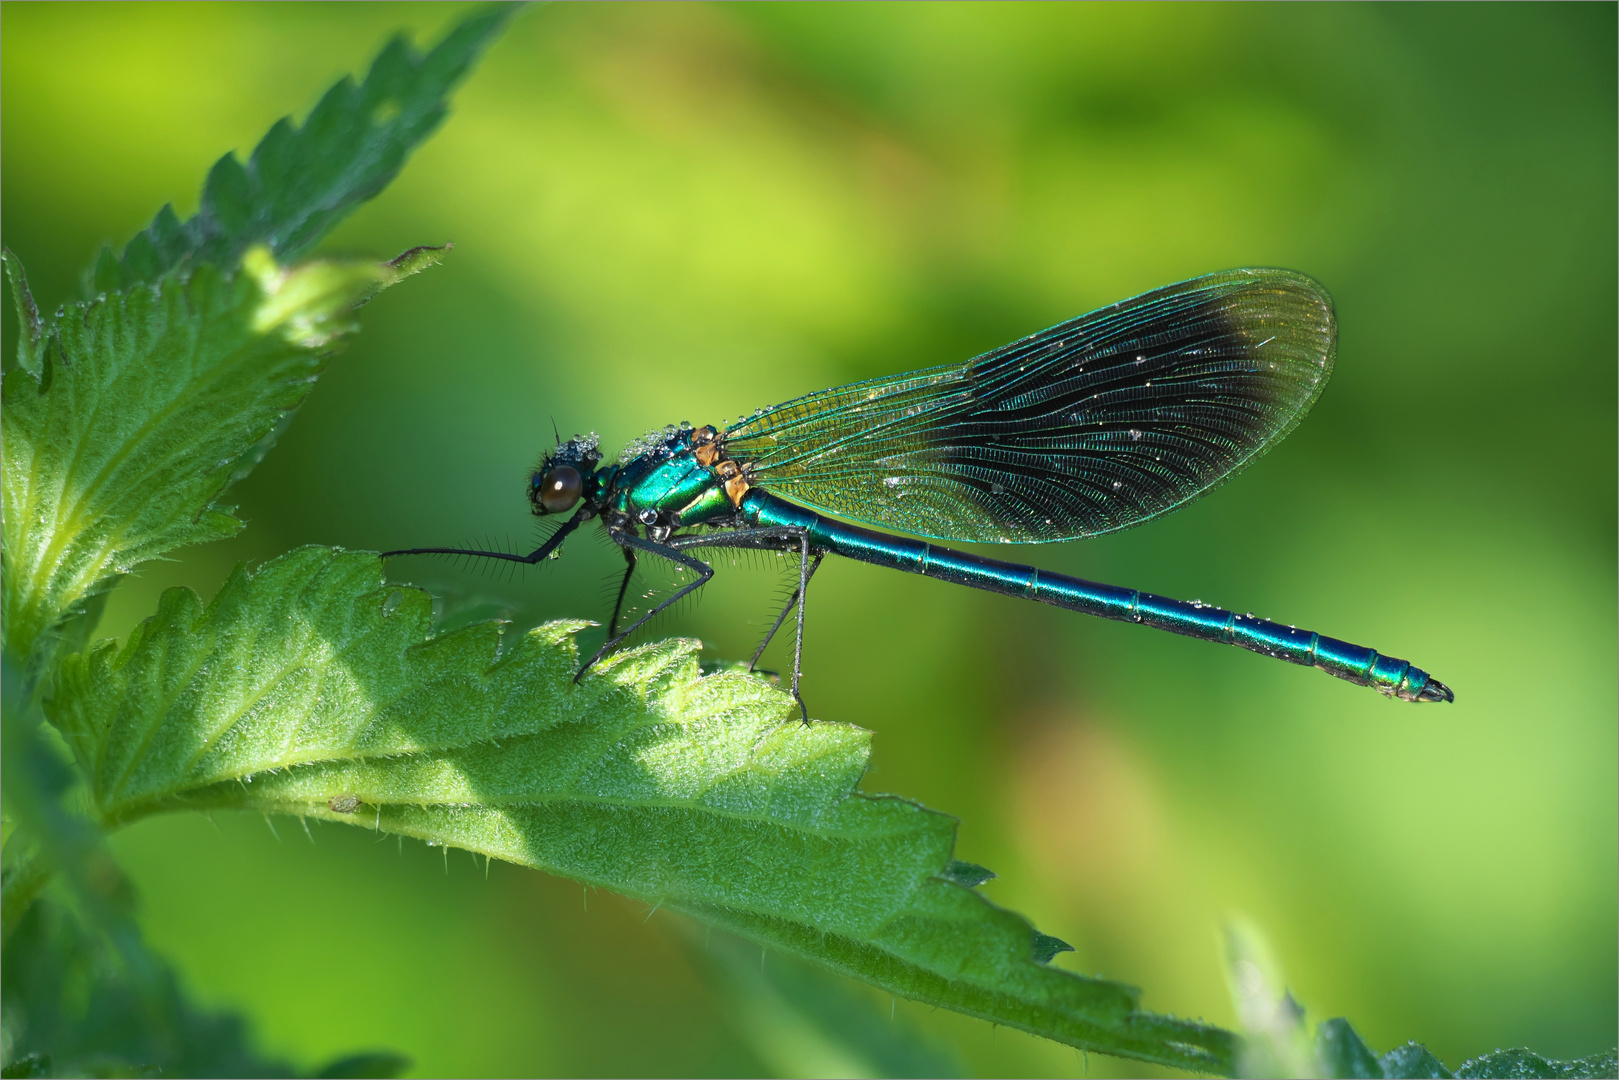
x=1435 y=691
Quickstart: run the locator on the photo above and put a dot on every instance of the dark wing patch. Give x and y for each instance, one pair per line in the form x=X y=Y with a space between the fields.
x=1094 y=425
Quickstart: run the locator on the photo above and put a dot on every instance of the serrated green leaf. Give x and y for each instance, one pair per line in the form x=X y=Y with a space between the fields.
x=74 y=1009
x=1046 y=947
x=301 y=181
x=310 y=687
x=1413 y=1061
x=148 y=403
x=1342 y=1052
x=77 y=1009
x=1522 y=1062
x=965 y=873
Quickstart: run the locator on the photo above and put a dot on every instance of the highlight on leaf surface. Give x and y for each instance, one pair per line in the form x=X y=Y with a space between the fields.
x=125 y=417
x=128 y=414
x=311 y=687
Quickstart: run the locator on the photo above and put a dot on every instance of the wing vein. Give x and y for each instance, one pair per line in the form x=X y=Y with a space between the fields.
x=1093 y=425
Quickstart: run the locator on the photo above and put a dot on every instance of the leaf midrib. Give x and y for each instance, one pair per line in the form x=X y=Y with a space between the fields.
x=65 y=513
x=297 y=807
x=202 y=380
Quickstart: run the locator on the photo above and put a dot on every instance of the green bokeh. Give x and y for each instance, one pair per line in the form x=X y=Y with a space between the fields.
x=685 y=212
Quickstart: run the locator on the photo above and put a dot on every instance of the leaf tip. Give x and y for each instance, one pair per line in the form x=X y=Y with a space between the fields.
x=416 y=260
x=31 y=328
x=1341 y=1050
x=1045 y=947
x=966 y=874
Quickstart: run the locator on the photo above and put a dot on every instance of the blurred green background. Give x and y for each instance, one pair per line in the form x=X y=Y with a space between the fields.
x=675 y=212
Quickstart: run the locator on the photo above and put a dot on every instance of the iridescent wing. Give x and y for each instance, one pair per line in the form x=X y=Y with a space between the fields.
x=1096 y=424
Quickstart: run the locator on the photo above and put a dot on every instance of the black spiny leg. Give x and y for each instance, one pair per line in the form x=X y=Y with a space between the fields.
x=627 y=541
x=623 y=588
x=806 y=570
x=786 y=538
x=540 y=553
x=787 y=609
x=798 y=644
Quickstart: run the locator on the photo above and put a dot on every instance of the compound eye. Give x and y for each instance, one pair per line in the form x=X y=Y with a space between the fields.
x=560 y=489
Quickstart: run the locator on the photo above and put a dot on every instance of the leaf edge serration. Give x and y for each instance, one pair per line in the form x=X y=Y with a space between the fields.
x=761 y=825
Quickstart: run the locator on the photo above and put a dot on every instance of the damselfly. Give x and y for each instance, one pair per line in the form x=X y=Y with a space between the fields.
x=1097 y=424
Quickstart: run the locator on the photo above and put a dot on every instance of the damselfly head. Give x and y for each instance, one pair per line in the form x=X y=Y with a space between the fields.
x=563 y=477
x=556 y=490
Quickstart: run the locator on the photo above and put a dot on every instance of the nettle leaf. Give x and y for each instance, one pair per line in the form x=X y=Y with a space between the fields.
x=301 y=181
x=310 y=687
x=79 y=1011
x=1523 y=1062
x=73 y=1008
x=145 y=405
x=1340 y=1052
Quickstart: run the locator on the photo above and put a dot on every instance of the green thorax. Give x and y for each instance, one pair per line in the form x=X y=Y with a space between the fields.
x=668 y=480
